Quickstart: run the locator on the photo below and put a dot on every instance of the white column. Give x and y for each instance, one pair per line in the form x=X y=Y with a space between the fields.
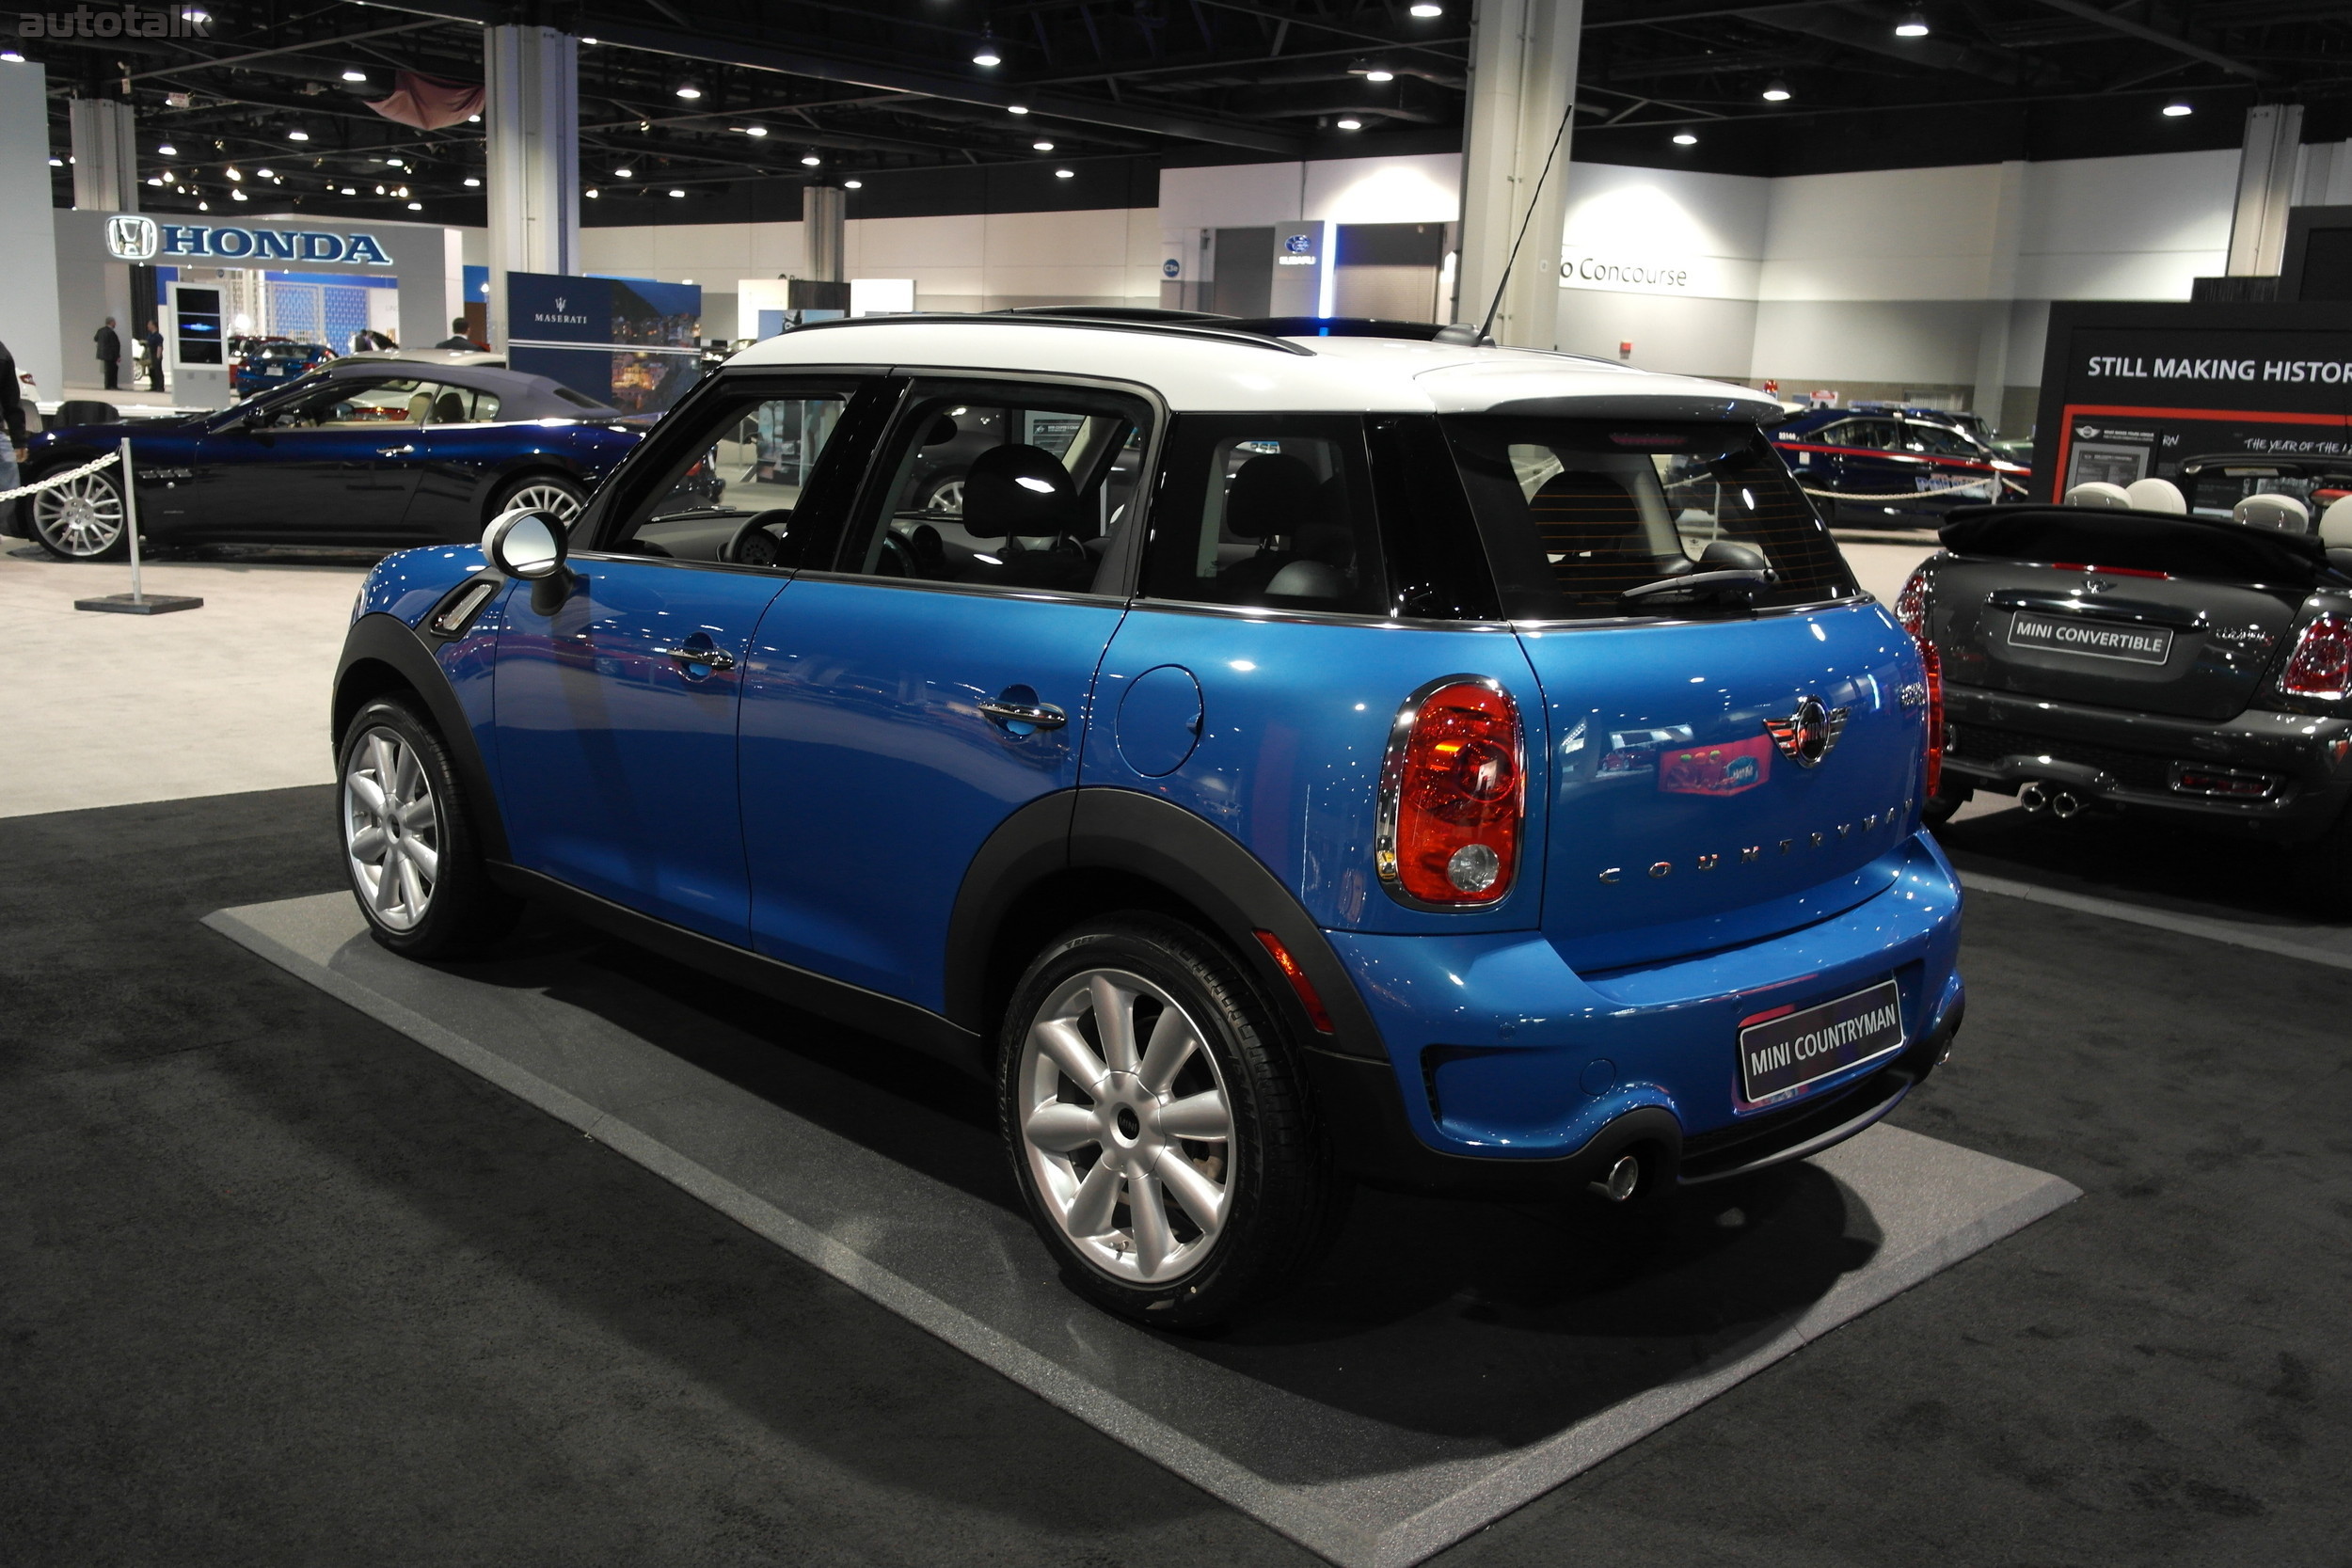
x=105 y=155
x=2006 y=222
x=2266 y=188
x=824 y=233
x=532 y=181
x=29 y=306
x=1522 y=80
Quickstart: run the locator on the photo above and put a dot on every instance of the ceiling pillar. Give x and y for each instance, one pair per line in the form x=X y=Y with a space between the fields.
x=530 y=119
x=1521 y=83
x=2266 y=188
x=105 y=155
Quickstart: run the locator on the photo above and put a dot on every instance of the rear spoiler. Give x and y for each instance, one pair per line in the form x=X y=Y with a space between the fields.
x=2185 y=546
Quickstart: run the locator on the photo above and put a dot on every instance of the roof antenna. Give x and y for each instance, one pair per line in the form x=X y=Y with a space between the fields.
x=1459 y=333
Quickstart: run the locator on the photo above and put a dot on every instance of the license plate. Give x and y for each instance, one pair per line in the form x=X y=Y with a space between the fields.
x=1777 y=1054
x=2067 y=634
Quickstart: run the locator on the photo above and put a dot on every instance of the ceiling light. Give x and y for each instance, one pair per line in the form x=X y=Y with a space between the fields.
x=474 y=181
x=379 y=190
x=236 y=196
x=231 y=172
x=623 y=174
x=167 y=149
x=1016 y=108
x=11 y=57
x=473 y=119
x=1379 y=73
x=1425 y=11
x=755 y=129
x=852 y=184
x=402 y=193
x=688 y=91
x=986 y=55
x=355 y=75
x=266 y=173
x=1065 y=174
x=1776 y=91
x=676 y=191
x=1684 y=138
x=1913 y=26
x=416 y=206
x=350 y=191
x=591 y=194
x=152 y=178
x=56 y=163
x=2175 y=111
x=204 y=206
x=811 y=160
x=396 y=163
x=587 y=41
x=1349 y=123
x=297 y=136
x=1042 y=146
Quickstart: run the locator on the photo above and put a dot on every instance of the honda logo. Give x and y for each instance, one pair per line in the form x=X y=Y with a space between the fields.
x=131 y=238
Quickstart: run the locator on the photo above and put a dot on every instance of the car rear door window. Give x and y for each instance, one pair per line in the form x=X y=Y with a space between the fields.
x=1270 y=511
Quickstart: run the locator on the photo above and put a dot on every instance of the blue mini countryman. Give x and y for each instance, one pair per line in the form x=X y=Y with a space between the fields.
x=1282 y=760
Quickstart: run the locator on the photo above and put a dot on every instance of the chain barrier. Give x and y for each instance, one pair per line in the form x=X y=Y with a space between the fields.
x=55 y=479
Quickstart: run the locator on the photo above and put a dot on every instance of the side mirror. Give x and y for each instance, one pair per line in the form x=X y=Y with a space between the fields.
x=530 y=545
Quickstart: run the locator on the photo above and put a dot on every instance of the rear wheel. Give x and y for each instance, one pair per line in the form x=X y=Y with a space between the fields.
x=2323 y=870
x=82 y=519
x=1949 y=797
x=558 y=497
x=1158 y=1128
x=409 y=845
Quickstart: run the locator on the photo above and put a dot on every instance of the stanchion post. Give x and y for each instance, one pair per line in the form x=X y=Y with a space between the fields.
x=135 y=602
x=130 y=519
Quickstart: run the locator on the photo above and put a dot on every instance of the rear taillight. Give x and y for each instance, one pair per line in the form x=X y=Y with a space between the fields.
x=1911 y=608
x=2321 y=665
x=1452 y=796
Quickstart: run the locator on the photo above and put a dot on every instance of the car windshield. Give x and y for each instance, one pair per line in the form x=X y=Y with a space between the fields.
x=1581 y=515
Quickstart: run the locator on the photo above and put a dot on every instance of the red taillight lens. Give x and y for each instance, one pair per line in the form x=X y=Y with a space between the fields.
x=1911 y=608
x=1454 y=797
x=2321 y=665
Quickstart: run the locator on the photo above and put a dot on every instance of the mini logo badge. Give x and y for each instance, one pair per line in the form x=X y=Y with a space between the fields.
x=1807 y=735
x=131 y=238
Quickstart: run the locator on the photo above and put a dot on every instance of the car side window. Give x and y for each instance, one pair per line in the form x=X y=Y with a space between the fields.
x=1002 y=485
x=354 y=404
x=1266 y=510
x=733 y=492
x=463 y=405
x=1939 y=440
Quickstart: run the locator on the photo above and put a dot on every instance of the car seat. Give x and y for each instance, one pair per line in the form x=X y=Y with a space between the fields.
x=2335 y=532
x=2098 y=493
x=2158 y=495
x=2280 y=513
x=1023 y=495
x=1590 y=528
x=420 y=407
x=1271 y=498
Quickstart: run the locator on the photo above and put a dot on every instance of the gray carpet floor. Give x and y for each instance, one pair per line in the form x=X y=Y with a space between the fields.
x=277 y=1287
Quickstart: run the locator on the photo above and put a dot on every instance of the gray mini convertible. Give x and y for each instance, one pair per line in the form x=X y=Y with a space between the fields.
x=2114 y=655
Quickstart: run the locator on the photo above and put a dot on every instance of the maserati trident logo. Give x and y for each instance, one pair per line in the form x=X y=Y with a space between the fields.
x=561 y=302
x=1807 y=735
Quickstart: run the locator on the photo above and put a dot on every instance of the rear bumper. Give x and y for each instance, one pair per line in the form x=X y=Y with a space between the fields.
x=2132 y=761
x=1510 y=1076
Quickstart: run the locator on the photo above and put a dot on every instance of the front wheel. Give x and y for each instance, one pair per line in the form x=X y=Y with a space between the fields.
x=1159 y=1130
x=82 y=519
x=409 y=845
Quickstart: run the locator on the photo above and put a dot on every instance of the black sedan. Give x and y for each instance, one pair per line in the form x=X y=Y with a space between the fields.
x=372 y=452
x=2163 y=663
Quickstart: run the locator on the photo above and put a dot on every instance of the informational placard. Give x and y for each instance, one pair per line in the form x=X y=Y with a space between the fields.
x=629 y=342
x=2131 y=391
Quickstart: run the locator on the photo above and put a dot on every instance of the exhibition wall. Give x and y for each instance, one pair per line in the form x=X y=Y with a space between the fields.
x=28 y=305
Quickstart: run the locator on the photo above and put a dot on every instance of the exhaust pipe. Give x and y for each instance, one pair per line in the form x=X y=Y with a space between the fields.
x=2065 y=803
x=1624 y=1177
x=2061 y=802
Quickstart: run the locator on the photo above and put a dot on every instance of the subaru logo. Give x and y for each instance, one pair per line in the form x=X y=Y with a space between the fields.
x=131 y=238
x=1298 y=244
x=1807 y=735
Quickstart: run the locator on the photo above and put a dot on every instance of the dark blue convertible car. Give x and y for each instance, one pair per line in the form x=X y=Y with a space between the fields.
x=1887 y=467
x=360 y=451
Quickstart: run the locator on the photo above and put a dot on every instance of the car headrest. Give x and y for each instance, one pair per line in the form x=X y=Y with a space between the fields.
x=2098 y=492
x=1578 y=512
x=420 y=407
x=1020 y=492
x=2158 y=495
x=2335 y=525
x=2280 y=514
x=1270 y=496
x=448 y=408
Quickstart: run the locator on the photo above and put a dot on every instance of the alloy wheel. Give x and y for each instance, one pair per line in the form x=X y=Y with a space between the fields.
x=556 y=500
x=947 y=500
x=82 y=516
x=391 y=829
x=1127 y=1127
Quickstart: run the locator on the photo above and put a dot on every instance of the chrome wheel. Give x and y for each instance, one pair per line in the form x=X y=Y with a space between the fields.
x=559 y=501
x=391 y=829
x=81 y=518
x=947 y=500
x=1126 y=1126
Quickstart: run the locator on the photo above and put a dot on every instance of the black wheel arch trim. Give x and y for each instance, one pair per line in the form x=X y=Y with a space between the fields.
x=1123 y=830
x=380 y=639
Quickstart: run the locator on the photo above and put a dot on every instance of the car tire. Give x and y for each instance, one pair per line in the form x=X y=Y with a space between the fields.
x=1949 y=797
x=550 y=492
x=1175 y=1165
x=82 y=519
x=2323 y=870
x=944 y=496
x=411 y=847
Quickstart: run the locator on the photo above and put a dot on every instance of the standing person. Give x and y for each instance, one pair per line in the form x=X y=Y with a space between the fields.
x=457 y=338
x=12 y=414
x=109 y=344
x=154 y=342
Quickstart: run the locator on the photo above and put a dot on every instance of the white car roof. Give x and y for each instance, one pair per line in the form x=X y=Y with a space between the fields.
x=434 y=355
x=1197 y=369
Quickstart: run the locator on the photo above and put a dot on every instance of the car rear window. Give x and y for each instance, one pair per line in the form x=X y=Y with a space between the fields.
x=1577 y=512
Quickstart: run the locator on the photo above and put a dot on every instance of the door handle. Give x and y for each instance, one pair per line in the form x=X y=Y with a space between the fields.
x=716 y=658
x=1037 y=716
x=394 y=452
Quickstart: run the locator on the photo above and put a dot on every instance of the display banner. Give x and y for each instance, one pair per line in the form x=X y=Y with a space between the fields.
x=2131 y=391
x=629 y=342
